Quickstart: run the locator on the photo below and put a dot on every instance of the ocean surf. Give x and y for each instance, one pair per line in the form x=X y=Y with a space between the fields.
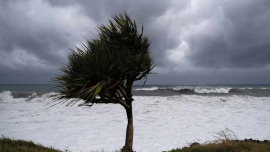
x=165 y=117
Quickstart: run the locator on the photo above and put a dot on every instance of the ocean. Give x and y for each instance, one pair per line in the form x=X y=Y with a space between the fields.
x=165 y=117
x=30 y=90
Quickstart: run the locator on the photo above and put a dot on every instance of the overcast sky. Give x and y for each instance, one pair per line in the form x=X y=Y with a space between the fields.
x=194 y=42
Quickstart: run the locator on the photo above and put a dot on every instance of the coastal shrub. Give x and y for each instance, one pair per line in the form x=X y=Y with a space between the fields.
x=225 y=135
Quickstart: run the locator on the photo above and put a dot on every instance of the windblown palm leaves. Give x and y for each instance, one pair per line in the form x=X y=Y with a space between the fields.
x=103 y=70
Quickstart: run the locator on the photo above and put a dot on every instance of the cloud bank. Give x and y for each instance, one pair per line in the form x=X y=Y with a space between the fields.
x=193 y=41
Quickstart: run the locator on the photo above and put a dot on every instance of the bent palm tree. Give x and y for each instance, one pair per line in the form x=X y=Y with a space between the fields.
x=105 y=68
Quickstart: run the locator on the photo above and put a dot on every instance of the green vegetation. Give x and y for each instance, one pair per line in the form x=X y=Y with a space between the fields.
x=228 y=146
x=11 y=145
x=105 y=68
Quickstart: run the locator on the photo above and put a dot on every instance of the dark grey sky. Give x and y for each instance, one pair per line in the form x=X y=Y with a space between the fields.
x=193 y=41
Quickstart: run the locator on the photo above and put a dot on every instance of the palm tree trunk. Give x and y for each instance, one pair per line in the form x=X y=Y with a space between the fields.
x=129 y=131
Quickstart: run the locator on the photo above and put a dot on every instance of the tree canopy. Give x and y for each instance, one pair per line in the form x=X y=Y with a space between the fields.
x=106 y=64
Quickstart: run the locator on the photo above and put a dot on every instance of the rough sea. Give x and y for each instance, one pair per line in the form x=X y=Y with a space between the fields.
x=165 y=117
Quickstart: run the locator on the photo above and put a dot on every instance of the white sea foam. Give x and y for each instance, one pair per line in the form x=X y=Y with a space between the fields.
x=250 y=88
x=148 y=89
x=6 y=96
x=212 y=90
x=181 y=88
x=160 y=123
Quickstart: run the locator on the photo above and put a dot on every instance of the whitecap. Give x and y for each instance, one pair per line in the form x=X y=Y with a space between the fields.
x=148 y=89
x=6 y=96
x=212 y=90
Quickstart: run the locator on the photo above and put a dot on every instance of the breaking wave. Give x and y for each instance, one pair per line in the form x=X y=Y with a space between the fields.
x=212 y=90
x=168 y=91
x=187 y=89
x=8 y=96
x=147 y=89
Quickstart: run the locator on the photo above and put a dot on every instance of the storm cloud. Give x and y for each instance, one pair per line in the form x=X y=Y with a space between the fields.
x=193 y=41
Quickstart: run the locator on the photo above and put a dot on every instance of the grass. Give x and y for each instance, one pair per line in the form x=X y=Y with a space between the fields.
x=228 y=146
x=227 y=142
x=224 y=145
x=12 y=145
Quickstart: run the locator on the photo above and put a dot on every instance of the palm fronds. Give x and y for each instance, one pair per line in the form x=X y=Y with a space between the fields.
x=105 y=67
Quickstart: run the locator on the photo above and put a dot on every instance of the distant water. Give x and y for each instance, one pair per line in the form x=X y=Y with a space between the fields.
x=30 y=90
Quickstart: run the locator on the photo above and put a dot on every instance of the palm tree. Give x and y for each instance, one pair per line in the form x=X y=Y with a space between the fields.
x=105 y=68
